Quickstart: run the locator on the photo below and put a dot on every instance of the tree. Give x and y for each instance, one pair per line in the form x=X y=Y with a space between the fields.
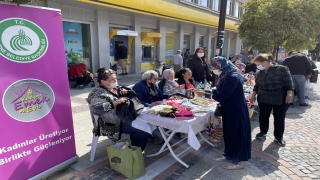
x=268 y=24
x=33 y=2
x=116 y=160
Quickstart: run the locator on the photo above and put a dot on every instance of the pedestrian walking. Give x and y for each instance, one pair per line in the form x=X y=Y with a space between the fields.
x=177 y=61
x=300 y=69
x=274 y=88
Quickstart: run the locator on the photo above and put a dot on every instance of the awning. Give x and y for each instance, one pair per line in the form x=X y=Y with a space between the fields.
x=151 y=35
x=114 y=32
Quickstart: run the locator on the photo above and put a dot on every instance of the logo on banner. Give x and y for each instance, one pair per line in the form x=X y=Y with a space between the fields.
x=28 y=100
x=22 y=40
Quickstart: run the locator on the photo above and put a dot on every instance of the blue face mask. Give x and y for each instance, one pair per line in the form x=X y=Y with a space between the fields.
x=260 y=67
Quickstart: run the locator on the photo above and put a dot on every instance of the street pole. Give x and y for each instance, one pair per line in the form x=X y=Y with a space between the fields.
x=222 y=22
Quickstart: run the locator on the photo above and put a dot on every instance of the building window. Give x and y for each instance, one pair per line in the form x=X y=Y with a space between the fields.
x=229 y=2
x=190 y=0
x=186 y=42
x=216 y=5
x=77 y=43
x=236 y=12
x=201 y=41
x=204 y=3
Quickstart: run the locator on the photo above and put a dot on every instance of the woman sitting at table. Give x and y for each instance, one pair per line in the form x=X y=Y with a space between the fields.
x=235 y=115
x=147 y=89
x=185 y=78
x=170 y=86
x=103 y=101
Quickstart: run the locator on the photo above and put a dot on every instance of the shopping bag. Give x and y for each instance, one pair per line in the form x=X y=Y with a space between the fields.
x=308 y=89
x=126 y=159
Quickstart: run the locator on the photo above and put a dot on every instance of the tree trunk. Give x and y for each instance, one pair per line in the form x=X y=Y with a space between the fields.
x=274 y=53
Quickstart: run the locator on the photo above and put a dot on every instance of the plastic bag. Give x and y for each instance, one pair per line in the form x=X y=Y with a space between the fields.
x=307 y=85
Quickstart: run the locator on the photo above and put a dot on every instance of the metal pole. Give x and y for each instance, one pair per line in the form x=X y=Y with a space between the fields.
x=222 y=21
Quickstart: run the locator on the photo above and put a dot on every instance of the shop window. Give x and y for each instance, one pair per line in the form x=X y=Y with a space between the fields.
x=77 y=43
x=229 y=2
x=236 y=12
x=216 y=5
x=186 y=42
x=201 y=41
x=204 y=3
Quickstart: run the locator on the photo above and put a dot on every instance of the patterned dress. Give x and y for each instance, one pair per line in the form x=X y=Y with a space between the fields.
x=100 y=100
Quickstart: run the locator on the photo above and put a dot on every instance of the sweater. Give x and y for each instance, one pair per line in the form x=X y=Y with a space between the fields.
x=298 y=65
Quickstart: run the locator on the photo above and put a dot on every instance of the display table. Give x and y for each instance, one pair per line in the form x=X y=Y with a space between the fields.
x=191 y=127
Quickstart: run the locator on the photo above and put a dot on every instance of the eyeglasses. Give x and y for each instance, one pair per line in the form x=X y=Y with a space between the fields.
x=108 y=71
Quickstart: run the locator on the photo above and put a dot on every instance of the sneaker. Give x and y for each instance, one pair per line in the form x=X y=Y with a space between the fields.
x=304 y=104
x=261 y=135
x=280 y=141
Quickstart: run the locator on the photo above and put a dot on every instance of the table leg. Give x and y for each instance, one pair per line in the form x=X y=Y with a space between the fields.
x=206 y=140
x=167 y=140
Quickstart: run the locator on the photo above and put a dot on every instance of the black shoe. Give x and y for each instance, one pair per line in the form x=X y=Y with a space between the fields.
x=125 y=73
x=307 y=97
x=291 y=104
x=304 y=104
x=261 y=135
x=280 y=141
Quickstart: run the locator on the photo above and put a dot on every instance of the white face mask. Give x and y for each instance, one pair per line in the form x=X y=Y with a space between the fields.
x=200 y=55
x=217 y=72
x=114 y=85
x=260 y=67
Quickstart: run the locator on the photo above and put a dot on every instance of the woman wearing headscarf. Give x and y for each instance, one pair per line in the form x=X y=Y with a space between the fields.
x=235 y=115
x=170 y=86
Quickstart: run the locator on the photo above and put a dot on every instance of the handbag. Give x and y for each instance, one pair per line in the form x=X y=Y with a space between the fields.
x=126 y=159
x=271 y=98
x=129 y=110
x=218 y=111
x=314 y=76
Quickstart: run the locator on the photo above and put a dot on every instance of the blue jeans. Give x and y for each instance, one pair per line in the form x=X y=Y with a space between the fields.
x=299 y=82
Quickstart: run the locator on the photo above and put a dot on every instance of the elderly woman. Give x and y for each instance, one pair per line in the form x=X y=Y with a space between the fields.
x=170 y=86
x=147 y=89
x=103 y=101
x=235 y=120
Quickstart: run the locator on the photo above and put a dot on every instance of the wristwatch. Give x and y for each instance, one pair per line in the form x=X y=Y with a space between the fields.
x=289 y=94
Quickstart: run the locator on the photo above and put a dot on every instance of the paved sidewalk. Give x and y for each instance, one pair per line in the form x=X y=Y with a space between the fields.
x=300 y=159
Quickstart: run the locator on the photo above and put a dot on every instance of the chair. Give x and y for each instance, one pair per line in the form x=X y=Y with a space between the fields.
x=96 y=138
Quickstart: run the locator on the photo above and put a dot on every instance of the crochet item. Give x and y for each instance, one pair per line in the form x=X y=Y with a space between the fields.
x=168 y=112
x=157 y=109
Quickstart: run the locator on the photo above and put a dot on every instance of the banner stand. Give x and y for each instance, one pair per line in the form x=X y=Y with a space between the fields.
x=55 y=168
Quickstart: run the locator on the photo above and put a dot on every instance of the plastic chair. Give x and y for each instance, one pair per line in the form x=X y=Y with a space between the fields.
x=96 y=138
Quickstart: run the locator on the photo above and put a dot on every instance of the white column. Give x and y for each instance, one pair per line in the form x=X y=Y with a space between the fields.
x=161 y=46
x=193 y=41
x=225 y=51
x=207 y=43
x=136 y=48
x=180 y=38
x=196 y=35
x=238 y=44
x=103 y=40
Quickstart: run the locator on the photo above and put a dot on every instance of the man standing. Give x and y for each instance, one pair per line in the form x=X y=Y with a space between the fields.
x=177 y=61
x=122 y=53
x=300 y=69
x=186 y=56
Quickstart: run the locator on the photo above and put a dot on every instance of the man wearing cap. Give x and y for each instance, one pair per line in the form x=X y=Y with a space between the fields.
x=177 y=61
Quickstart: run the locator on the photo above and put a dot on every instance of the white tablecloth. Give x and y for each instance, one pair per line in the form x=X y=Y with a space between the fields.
x=191 y=127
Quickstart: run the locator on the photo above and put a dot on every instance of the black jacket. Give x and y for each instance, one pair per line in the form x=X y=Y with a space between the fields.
x=250 y=68
x=181 y=81
x=199 y=69
x=298 y=65
x=122 y=52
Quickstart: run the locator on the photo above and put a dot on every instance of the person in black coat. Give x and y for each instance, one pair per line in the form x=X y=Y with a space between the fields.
x=199 y=68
